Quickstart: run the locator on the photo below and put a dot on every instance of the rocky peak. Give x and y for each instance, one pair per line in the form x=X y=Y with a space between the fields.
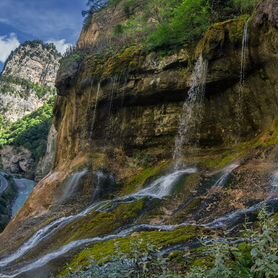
x=34 y=61
x=26 y=85
x=28 y=79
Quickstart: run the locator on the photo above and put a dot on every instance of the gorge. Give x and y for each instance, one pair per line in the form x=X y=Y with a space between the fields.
x=161 y=152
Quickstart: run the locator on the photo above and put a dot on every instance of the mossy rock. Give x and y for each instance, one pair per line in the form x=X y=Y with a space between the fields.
x=103 y=252
x=219 y=159
x=219 y=34
x=123 y=63
x=102 y=223
x=146 y=175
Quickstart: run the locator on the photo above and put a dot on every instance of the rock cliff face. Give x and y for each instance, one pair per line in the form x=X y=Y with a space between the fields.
x=28 y=78
x=35 y=62
x=26 y=84
x=119 y=115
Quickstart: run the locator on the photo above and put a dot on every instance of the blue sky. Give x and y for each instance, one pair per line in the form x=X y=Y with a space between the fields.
x=57 y=21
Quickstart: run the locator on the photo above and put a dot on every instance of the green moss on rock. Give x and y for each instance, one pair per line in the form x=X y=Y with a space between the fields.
x=229 y=31
x=103 y=252
x=101 y=223
x=140 y=180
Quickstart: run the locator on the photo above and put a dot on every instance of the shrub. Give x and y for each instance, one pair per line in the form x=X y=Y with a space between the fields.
x=245 y=6
x=186 y=24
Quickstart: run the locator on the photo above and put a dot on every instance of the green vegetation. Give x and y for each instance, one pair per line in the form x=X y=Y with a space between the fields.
x=3 y=123
x=154 y=25
x=256 y=256
x=129 y=248
x=7 y=86
x=170 y=24
x=30 y=132
x=184 y=24
x=160 y=25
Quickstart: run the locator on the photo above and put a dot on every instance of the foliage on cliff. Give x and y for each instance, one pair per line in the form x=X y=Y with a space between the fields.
x=8 y=84
x=30 y=132
x=169 y=23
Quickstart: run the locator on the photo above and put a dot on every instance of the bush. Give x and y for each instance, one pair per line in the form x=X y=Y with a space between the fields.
x=257 y=258
x=187 y=24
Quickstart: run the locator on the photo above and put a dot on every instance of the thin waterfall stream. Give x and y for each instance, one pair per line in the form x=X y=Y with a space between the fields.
x=95 y=108
x=243 y=62
x=244 y=53
x=190 y=108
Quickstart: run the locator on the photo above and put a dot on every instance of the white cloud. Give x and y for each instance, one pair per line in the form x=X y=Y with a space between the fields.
x=61 y=45
x=7 y=45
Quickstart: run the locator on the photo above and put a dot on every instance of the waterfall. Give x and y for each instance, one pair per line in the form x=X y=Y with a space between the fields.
x=244 y=54
x=190 y=108
x=159 y=188
x=114 y=82
x=78 y=243
x=163 y=186
x=95 y=108
x=274 y=182
x=225 y=175
x=72 y=185
x=3 y=183
x=46 y=163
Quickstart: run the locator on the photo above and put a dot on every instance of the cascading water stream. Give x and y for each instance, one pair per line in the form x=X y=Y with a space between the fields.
x=244 y=55
x=114 y=82
x=225 y=175
x=95 y=108
x=78 y=243
x=230 y=220
x=160 y=188
x=72 y=185
x=224 y=222
x=190 y=108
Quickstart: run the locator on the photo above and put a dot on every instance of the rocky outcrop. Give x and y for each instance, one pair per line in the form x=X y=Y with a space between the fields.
x=17 y=161
x=26 y=84
x=34 y=61
x=46 y=163
x=8 y=192
x=28 y=78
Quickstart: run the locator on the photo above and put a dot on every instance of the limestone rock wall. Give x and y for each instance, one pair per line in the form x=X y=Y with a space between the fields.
x=35 y=62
